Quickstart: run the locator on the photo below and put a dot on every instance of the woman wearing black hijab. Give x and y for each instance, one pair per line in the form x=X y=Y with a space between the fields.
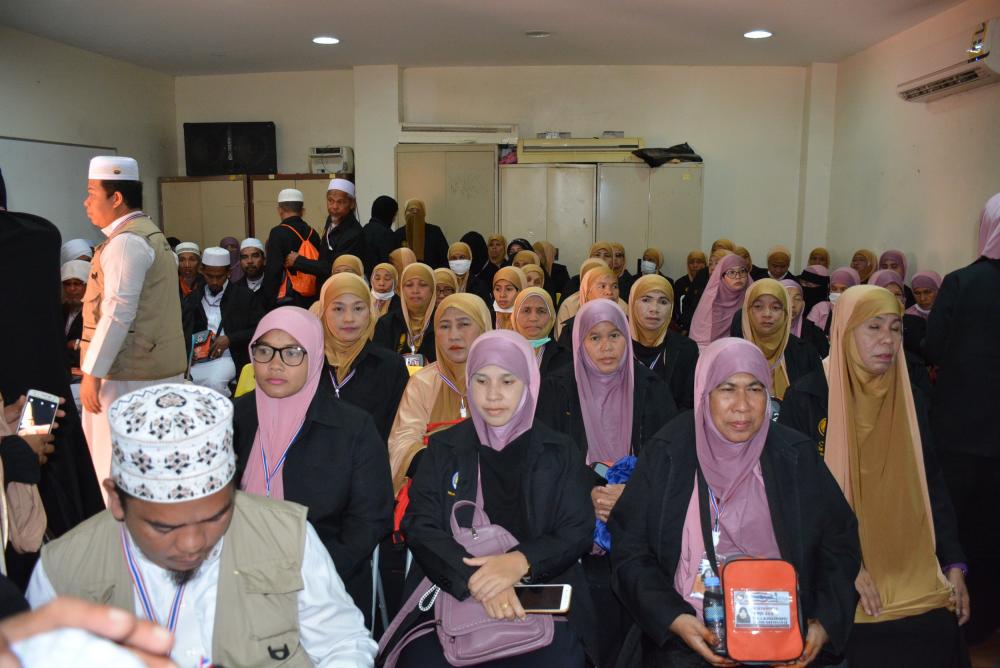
x=515 y=247
x=482 y=269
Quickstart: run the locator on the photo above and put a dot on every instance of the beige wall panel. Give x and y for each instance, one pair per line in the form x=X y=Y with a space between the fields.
x=675 y=218
x=571 y=212
x=223 y=210
x=181 y=205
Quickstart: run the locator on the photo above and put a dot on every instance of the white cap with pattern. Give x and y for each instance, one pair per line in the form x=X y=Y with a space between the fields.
x=187 y=247
x=113 y=168
x=172 y=442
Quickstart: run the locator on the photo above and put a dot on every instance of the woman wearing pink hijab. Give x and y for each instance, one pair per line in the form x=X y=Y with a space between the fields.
x=895 y=260
x=722 y=298
x=771 y=496
x=840 y=280
x=528 y=479
x=292 y=429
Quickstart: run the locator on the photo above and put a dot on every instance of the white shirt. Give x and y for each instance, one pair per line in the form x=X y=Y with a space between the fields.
x=125 y=259
x=331 y=628
x=254 y=285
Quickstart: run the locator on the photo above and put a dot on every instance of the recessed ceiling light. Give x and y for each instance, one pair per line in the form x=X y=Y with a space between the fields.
x=538 y=33
x=325 y=39
x=757 y=34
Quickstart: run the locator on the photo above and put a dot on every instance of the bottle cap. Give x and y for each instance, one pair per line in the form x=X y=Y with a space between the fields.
x=711 y=581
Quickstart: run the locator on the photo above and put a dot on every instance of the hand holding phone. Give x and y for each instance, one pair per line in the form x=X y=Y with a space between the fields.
x=550 y=599
x=38 y=416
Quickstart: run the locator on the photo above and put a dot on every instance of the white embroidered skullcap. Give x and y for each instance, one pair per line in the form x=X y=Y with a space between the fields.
x=291 y=195
x=113 y=168
x=73 y=249
x=214 y=256
x=78 y=269
x=343 y=185
x=253 y=243
x=187 y=247
x=72 y=647
x=172 y=442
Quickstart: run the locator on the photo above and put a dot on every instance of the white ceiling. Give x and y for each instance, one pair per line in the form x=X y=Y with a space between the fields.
x=227 y=36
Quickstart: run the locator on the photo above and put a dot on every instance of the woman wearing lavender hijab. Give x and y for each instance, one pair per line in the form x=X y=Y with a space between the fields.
x=774 y=498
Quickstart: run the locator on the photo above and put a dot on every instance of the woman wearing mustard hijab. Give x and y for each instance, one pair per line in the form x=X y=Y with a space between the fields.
x=533 y=318
x=348 y=263
x=672 y=356
x=357 y=370
x=875 y=439
x=598 y=283
x=435 y=397
x=602 y=251
x=619 y=265
x=407 y=331
x=425 y=240
x=384 y=280
x=506 y=284
x=766 y=322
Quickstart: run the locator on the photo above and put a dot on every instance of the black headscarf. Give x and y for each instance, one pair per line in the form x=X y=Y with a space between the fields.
x=384 y=209
x=480 y=252
x=813 y=296
x=523 y=243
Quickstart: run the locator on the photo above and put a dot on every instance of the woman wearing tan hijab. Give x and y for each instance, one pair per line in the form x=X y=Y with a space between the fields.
x=533 y=318
x=873 y=432
x=401 y=258
x=496 y=244
x=445 y=283
x=865 y=262
x=669 y=355
x=534 y=276
x=348 y=263
x=820 y=256
x=619 y=265
x=407 y=331
x=524 y=257
x=598 y=283
x=601 y=250
x=425 y=240
x=383 y=280
x=506 y=284
x=357 y=370
x=554 y=272
x=688 y=289
x=435 y=397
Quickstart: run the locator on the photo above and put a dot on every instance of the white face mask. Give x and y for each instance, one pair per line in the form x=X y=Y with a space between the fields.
x=460 y=267
x=383 y=296
x=834 y=296
x=648 y=267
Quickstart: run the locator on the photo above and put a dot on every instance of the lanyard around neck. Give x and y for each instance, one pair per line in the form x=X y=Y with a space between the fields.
x=270 y=473
x=140 y=588
x=461 y=397
x=338 y=386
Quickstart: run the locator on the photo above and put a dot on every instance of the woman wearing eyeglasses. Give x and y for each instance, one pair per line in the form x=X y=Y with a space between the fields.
x=293 y=429
x=723 y=296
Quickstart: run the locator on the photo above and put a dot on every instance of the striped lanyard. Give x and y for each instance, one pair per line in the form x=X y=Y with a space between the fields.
x=269 y=473
x=140 y=588
x=461 y=397
x=337 y=386
x=717 y=507
x=656 y=359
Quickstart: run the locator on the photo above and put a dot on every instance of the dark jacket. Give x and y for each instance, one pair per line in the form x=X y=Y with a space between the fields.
x=687 y=292
x=805 y=410
x=347 y=238
x=559 y=407
x=241 y=312
x=962 y=342
x=435 y=245
x=625 y=282
x=560 y=277
x=675 y=361
x=75 y=333
x=199 y=282
x=264 y=299
x=280 y=242
x=801 y=359
x=554 y=357
x=557 y=515
x=391 y=332
x=813 y=525
x=815 y=337
x=914 y=333
x=338 y=468
x=380 y=376
x=379 y=242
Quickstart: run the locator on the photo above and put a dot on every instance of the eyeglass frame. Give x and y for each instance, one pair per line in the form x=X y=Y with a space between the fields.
x=277 y=351
x=739 y=272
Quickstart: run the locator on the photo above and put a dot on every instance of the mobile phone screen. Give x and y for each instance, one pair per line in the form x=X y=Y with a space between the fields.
x=37 y=416
x=539 y=597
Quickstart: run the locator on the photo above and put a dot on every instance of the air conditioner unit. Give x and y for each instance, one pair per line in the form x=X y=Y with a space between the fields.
x=617 y=149
x=331 y=160
x=443 y=133
x=958 y=63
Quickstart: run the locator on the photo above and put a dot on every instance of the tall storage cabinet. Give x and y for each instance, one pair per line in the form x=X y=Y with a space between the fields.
x=204 y=210
x=264 y=200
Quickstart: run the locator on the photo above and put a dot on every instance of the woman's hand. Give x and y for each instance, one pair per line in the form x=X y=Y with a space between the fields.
x=816 y=637
x=495 y=574
x=12 y=413
x=697 y=636
x=41 y=445
x=504 y=606
x=604 y=499
x=959 y=594
x=871 y=603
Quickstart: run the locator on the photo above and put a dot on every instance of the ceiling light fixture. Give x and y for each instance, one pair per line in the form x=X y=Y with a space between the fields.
x=757 y=34
x=538 y=34
x=325 y=39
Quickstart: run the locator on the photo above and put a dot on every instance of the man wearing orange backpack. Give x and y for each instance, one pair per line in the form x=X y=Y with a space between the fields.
x=285 y=285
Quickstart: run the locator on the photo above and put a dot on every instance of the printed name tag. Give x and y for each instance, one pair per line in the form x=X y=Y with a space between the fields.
x=762 y=609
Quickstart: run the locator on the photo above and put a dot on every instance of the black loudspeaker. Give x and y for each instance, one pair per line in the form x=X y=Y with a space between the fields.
x=230 y=148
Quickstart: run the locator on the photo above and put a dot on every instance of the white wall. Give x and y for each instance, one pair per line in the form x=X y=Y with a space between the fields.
x=53 y=92
x=308 y=109
x=746 y=122
x=911 y=175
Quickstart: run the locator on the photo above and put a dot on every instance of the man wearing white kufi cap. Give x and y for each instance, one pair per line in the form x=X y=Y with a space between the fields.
x=74 y=283
x=239 y=580
x=287 y=285
x=188 y=268
x=224 y=313
x=252 y=261
x=132 y=335
x=75 y=249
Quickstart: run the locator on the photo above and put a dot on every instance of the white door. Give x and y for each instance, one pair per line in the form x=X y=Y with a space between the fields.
x=623 y=208
x=571 y=211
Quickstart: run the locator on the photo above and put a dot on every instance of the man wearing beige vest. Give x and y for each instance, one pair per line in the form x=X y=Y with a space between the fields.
x=132 y=330
x=239 y=580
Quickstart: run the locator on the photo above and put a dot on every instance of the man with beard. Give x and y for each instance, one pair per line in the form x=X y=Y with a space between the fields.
x=188 y=268
x=239 y=580
x=253 y=260
x=343 y=234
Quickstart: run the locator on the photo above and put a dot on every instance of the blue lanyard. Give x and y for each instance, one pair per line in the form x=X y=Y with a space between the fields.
x=461 y=411
x=268 y=473
x=140 y=588
x=337 y=386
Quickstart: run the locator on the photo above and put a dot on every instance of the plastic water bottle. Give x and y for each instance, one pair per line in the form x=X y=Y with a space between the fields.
x=714 y=613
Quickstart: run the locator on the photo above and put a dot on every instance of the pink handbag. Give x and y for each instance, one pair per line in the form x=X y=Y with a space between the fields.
x=467 y=634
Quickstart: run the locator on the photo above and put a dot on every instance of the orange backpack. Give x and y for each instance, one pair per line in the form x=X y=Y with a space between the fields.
x=302 y=283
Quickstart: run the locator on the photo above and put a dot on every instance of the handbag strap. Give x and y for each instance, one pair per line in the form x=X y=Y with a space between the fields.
x=479 y=516
x=706 y=522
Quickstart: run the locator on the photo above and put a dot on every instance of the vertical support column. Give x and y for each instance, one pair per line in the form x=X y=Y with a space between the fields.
x=377 y=102
x=817 y=160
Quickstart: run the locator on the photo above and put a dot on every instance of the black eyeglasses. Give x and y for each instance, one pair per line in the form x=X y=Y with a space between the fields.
x=290 y=355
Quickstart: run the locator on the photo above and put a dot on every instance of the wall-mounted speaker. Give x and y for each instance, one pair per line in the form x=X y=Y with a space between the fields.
x=212 y=149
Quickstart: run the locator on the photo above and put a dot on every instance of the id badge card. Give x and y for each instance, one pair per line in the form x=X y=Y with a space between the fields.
x=414 y=362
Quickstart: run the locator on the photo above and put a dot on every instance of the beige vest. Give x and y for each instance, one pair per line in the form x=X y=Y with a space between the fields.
x=154 y=347
x=260 y=577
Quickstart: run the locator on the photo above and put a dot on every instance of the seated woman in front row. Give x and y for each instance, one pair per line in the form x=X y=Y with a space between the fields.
x=533 y=485
x=775 y=499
